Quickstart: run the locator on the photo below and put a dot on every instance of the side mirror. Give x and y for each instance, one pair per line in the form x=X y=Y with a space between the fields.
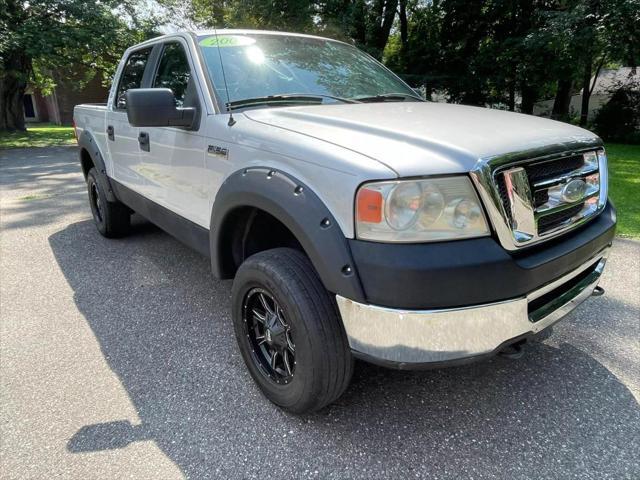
x=156 y=107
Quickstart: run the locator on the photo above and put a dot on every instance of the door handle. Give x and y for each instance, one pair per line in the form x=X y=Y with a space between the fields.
x=111 y=132
x=143 y=140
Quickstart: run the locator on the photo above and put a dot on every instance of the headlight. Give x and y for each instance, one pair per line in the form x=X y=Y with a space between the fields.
x=419 y=210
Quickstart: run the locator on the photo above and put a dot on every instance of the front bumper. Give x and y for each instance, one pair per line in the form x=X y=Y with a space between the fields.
x=448 y=274
x=424 y=338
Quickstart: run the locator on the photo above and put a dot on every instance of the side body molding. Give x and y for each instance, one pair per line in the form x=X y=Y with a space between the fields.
x=88 y=143
x=301 y=211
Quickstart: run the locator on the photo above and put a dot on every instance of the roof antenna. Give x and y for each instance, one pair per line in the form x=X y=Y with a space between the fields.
x=231 y=121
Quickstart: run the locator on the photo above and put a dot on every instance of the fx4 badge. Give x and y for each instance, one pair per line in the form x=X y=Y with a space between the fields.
x=219 y=151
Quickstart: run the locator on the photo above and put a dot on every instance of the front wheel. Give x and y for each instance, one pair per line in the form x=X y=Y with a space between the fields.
x=289 y=331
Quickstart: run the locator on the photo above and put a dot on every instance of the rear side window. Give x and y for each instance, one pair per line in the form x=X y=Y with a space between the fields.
x=173 y=71
x=132 y=74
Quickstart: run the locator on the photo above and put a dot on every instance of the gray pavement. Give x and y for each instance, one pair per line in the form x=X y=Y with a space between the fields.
x=117 y=360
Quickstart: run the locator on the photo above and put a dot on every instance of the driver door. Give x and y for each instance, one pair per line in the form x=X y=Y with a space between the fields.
x=174 y=164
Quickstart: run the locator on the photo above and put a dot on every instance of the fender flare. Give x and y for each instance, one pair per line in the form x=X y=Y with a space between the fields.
x=295 y=205
x=87 y=142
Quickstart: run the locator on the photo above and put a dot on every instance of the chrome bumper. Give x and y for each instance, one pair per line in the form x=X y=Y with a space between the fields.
x=412 y=337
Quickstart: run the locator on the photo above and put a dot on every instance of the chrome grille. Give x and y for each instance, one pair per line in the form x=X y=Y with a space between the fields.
x=549 y=169
x=551 y=221
x=533 y=200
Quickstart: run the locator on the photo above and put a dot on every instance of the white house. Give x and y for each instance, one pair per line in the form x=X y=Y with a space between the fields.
x=606 y=83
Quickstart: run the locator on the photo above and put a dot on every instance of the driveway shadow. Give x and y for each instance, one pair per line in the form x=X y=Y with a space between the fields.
x=164 y=328
x=31 y=177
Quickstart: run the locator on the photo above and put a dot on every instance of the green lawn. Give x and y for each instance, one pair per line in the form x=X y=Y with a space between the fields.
x=624 y=186
x=38 y=135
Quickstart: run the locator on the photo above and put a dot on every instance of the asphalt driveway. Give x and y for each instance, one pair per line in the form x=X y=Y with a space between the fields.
x=117 y=359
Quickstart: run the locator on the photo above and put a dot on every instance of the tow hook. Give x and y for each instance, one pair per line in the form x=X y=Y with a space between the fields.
x=598 y=291
x=513 y=351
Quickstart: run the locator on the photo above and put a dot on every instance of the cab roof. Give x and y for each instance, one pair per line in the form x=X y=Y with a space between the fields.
x=229 y=31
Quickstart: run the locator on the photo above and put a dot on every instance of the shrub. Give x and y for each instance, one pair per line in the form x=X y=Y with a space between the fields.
x=619 y=119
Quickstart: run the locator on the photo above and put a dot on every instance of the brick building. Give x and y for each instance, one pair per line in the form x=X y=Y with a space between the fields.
x=58 y=107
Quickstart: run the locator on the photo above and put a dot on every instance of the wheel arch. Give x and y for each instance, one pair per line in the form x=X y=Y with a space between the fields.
x=266 y=191
x=90 y=156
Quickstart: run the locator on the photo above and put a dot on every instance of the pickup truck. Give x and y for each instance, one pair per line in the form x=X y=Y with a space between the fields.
x=357 y=220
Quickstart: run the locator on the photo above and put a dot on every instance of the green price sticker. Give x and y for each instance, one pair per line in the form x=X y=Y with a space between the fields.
x=227 y=41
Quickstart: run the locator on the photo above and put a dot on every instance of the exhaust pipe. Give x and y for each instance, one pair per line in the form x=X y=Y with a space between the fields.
x=598 y=291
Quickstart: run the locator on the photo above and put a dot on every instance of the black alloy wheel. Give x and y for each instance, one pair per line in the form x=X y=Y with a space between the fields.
x=289 y=331
x=96 y=204
x=269 y=336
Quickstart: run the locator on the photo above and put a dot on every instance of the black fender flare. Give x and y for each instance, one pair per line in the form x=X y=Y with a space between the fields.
x=295 y=205
x=87 y=142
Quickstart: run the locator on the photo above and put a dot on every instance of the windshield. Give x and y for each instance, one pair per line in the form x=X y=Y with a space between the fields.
x=262 y=65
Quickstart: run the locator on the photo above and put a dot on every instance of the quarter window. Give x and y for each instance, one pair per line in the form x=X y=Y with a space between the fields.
x=132 y=74
x=173 y=71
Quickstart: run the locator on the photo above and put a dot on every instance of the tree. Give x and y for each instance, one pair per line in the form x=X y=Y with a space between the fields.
x=478 y=52
x=40 y=37
x=498 y=51
x=587 y=34
x=619 y=119
x=293 y=15
x=367 y=23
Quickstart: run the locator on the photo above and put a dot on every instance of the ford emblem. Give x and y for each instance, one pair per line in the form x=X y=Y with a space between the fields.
x=574 y=190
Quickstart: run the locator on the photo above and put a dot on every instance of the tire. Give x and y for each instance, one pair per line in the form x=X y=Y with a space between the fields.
x=320 y=362
x=112 y=219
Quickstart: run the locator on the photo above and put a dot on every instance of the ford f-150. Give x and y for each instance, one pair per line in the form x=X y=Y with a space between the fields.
x=356 y=219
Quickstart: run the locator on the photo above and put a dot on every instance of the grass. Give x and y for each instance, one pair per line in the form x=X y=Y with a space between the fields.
x=38 y=135
x=624 y=186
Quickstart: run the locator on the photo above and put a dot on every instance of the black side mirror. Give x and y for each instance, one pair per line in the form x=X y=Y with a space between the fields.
x=156 y=107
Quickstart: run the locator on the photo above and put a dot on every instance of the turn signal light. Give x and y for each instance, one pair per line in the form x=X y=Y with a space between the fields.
x=369 y=206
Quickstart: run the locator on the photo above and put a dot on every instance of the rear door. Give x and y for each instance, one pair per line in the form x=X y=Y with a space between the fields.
x=174 y=164
x=122 y=138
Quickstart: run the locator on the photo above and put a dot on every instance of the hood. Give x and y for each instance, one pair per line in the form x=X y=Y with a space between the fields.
x=418 y=138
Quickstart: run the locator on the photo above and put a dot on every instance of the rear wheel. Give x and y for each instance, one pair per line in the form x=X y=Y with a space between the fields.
x=112 y=219
x=289 y=331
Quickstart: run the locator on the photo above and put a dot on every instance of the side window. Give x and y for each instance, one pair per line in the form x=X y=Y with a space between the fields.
x=173 y=72
x=132 y=74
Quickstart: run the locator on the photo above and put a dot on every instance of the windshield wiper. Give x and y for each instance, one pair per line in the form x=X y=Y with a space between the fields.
x=392 y=97
x=288 y=98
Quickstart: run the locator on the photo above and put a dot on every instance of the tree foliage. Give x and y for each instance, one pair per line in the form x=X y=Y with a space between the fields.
x=509 y=53
x=500 y=52
x=78 y=39
x=619 y=119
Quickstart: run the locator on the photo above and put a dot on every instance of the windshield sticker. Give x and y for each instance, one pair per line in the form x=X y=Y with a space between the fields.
x=227 y=41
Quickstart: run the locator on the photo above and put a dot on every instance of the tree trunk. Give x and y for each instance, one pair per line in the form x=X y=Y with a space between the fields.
x=511 y=86
x=512 y=96
x=595 y=75
x=404 y=24
x=390 y=9
x=382 y=16
x=529 y=97
x=359 y=23
x=563 y=99
x=586 y=92
x=13 y=83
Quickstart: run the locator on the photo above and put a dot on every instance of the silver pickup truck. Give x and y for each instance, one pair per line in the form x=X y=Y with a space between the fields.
x=357 y=219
